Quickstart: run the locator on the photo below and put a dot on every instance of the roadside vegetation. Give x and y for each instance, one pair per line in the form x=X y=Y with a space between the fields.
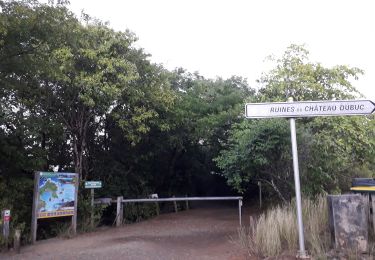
x=275 y=231
x=77 y=94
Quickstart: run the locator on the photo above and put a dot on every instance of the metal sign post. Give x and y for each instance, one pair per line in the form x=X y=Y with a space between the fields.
x=291 y=110
x=5 y=215
x=92 y=185
x=301 y=239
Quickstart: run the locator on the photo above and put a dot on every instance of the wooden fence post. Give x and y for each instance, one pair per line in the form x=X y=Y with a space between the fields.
x=175 y=205
x=34 y=216
x=157 y=208
x=240 y=211
x=74 y=217
x=17 y=241
x=119 y=211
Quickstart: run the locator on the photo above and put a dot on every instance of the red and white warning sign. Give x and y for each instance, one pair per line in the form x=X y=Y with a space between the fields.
x=6 y=215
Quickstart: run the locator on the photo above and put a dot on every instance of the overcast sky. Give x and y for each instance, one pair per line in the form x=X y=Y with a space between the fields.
x=233 y=37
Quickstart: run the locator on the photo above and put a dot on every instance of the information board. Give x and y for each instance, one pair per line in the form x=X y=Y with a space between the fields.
x=56 y=194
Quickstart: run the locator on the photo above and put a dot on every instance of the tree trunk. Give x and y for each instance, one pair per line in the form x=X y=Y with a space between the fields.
x=79 y=133
x=43 y=144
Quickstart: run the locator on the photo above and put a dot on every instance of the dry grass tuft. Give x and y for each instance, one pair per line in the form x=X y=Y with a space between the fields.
x=315 y=216
x=276 y=230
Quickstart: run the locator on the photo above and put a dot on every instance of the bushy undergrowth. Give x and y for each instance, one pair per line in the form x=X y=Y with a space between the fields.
x=135 y=212
x=276 y=230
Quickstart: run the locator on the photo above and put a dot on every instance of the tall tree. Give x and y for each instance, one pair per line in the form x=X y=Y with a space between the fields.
x=90 y=74
x=75 y=74
x=296 y=76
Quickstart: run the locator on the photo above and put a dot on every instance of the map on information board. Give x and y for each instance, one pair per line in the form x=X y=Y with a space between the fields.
x=56 y=194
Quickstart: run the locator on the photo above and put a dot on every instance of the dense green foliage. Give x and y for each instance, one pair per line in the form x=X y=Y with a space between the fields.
x=331 y=150
x=78 y=94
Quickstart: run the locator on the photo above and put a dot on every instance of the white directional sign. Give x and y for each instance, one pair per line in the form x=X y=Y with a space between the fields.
x=309 y=108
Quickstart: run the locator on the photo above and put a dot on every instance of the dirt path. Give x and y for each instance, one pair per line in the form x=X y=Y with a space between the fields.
x=194 y=234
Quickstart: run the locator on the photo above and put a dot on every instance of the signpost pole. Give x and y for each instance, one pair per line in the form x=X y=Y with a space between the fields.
x=92 y=185
x=302 y=252
x=92 y=209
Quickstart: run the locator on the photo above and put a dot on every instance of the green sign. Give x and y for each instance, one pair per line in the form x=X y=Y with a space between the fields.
x=93 y=184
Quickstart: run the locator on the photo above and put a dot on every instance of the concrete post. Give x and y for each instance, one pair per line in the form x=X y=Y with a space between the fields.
x=348 y=219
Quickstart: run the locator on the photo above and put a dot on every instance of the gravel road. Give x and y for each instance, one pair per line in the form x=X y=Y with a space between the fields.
x=202 y=233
